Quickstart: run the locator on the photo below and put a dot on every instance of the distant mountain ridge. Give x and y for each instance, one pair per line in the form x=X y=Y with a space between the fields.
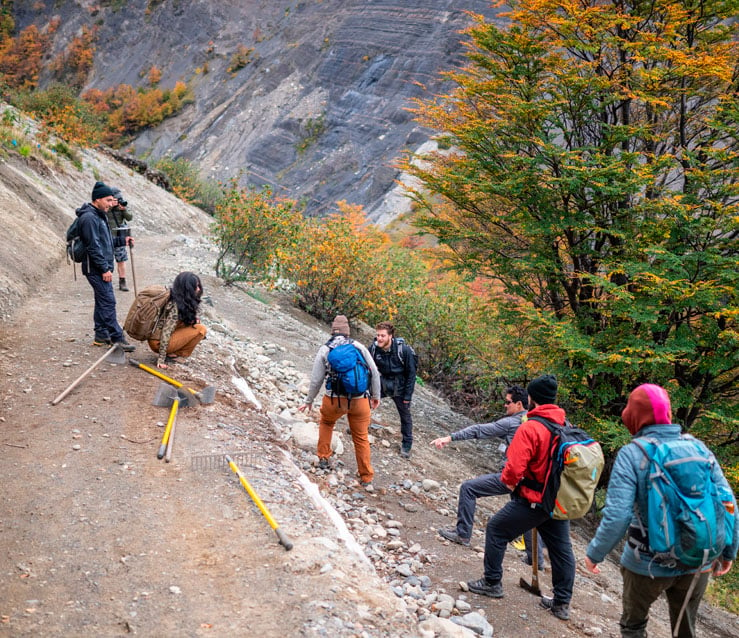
x=319 y=110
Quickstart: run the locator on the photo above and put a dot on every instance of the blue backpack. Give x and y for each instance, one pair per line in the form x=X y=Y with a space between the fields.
x=690 y=519
x=348 y=373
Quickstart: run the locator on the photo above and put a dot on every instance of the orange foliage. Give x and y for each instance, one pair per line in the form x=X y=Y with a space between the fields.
x=75 y=63
x=154 y=76
x=20 y=58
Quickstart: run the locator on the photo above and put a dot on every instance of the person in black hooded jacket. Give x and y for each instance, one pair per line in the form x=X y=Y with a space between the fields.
x=398 y=377
x=99 y=262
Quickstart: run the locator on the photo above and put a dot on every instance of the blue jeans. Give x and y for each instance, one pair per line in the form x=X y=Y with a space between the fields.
x=406 y=422
x=514 y=519
x=469 y=492
x=106 y=322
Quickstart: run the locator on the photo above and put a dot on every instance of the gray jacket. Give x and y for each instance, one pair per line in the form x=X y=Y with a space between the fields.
x=503 y=428
x=320 y=370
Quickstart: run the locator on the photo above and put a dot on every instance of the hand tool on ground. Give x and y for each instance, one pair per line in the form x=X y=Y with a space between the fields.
x=114 y=355
x=168 y=428
x=206 y=395
x=133 y=272
x=284 y=540
x=534 y=586
x=165 y=397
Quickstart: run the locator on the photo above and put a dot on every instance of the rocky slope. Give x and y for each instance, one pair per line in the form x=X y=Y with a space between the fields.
x=99 y=538
x=318 y=112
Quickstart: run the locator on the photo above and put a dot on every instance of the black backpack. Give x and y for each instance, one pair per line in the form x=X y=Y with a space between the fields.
x=402 y=347
x=76 y=251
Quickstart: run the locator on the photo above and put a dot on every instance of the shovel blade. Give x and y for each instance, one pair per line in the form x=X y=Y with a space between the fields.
x=166 y=395
x=116 y=356
x=532 y=587
x=207 y=395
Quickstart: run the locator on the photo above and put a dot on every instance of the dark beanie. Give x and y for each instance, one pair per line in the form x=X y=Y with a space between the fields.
x=340 y=325
x=100 y=190
x=543 y=389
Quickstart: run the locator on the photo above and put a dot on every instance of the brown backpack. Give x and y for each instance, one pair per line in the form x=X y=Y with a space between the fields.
x=143 y=321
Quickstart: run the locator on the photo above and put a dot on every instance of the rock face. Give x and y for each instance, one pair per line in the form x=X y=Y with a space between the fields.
x=319 y=109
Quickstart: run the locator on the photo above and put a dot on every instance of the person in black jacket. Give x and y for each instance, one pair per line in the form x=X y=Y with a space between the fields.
x=98 y=264
x=396 y=362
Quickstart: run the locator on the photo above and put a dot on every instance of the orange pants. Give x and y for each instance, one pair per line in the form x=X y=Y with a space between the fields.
x=183 y=340
x=358 y=414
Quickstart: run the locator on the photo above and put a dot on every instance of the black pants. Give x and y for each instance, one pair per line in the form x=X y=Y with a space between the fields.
x=106 y=322
x=406 y=422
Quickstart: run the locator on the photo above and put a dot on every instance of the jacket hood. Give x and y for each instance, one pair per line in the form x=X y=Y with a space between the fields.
x=550 y=412
x=648 y=404
x=86 y=208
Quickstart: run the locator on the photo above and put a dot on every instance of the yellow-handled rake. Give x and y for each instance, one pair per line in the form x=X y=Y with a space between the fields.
x=284 y=540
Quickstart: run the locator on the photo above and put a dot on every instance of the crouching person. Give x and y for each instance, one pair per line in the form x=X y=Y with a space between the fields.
x=181 y=329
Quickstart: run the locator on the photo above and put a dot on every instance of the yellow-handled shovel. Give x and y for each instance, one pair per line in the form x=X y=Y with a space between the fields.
x=284 y=540
x=168 y=429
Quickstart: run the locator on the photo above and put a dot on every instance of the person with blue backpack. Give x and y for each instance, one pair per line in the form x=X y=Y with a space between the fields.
x=668 y=494
x=352 y=389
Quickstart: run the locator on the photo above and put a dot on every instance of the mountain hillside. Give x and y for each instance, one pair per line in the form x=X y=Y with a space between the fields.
x=319 y=108
x=101 y=538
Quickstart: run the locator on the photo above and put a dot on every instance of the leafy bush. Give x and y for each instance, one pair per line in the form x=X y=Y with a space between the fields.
x=252 y=228
x=188 y=185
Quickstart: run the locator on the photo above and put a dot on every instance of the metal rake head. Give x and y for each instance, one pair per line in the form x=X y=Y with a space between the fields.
x=215 y=461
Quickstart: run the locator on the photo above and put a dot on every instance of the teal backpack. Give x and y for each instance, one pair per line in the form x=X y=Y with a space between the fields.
x=690 y=519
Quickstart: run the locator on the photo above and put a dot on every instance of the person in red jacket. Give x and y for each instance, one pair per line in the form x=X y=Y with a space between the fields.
x=524 y=474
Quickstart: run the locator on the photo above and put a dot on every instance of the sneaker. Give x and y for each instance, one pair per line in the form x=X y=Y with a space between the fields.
x=560 y=610
x=484 y=588
x=125 y=346
x=451 y=535
x=99 y=341
x=405 y=452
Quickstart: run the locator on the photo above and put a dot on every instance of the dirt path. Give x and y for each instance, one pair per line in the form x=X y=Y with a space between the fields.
x=99 y=538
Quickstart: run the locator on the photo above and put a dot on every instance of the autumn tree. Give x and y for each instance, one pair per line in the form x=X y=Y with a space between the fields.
x=73 y=66
x=592 y=177
x=21 y=58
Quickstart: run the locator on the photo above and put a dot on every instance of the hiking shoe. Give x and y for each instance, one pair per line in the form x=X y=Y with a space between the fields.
x=125 y=346
x=368 y=486
x=451 y=535
x=405 y=452
x=542 y=565
x=323 y=464
x=98 y=341
x=122 y=285
x=484 y=588
x=560 y=610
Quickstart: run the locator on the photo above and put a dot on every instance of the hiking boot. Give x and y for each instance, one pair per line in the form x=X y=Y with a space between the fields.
x=560 y=610
x=125 y=346
x=101 y=341
x=122 y=284
x=451 y=535
x=324 y=464
x=405 y=451
x=484 y=588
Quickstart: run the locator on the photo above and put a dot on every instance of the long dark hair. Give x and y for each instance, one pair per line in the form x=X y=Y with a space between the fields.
x=186 y=292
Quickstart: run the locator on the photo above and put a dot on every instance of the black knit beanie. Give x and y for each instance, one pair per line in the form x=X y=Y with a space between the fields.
x=543 y=389
x=100 y=190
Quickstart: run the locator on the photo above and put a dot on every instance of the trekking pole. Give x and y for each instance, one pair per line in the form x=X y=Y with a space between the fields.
x=133 y=272
x=284 y=540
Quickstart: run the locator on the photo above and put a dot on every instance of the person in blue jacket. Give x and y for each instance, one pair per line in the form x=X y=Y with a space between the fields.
x=98 y=264
x=648 y=413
